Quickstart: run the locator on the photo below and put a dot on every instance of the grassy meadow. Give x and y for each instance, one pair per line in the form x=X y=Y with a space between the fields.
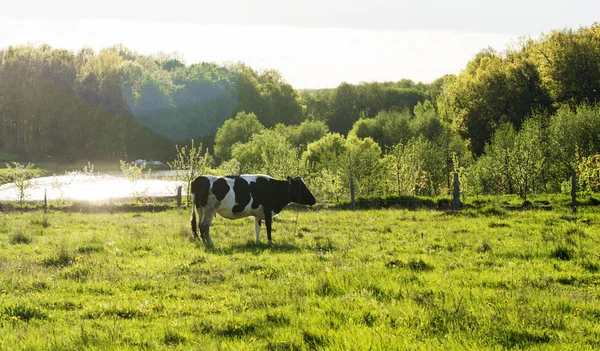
x=486 y=278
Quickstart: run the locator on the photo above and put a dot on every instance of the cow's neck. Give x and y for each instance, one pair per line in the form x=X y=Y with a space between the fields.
x=280 y=205
x=281 y=196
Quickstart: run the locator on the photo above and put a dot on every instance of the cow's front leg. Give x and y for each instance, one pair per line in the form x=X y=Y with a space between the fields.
x=268 y=222
x=257 y=228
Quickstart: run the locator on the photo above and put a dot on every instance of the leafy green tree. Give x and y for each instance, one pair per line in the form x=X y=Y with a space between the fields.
x=529 y=157
x=280 y=98
x=323 y=161
x=231 y=167
x=189 y=164
x=426 y=121
x=588 y=174
x=267 y=95
x=492 y=90
x=325 y=153
x=236 y=130
x=317 y=105
x=134 y=173
x=387 y=128
x=569 y=62
x=341 y=159
x=267 y=152
x=21 y=175
x=328 y=185
x=368 y=128
x=344 y=111
x=497 y=168
x=406 y=167
x=248 y=90
x=572 y=134
x=362 y=163
x=301 y=135
x=401 y=99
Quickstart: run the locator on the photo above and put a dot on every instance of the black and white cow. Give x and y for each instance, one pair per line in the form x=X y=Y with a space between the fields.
x=241 y=196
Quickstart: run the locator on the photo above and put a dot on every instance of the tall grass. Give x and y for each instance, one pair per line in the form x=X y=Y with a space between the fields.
x=485 y=278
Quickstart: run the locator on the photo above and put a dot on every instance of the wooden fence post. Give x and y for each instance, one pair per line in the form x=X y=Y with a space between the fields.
x=456 y=192
x=179 y=196
x=573 y=192
x=352 y=193
x=45 y=200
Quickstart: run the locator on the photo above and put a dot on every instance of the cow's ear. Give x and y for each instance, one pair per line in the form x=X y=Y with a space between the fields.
x=289 y=178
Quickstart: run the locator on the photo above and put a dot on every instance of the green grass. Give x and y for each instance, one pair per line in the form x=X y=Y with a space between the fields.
x=6 y=157
x=4 y=176
x=486 y=278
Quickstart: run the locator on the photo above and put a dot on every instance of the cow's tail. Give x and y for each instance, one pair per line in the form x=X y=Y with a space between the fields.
x=193 y=221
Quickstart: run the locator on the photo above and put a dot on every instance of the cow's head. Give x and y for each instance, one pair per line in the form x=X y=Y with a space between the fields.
x=299 y=193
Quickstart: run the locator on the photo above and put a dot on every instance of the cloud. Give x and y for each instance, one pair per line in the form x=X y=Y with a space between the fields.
x=516 y=17
x=306 y=57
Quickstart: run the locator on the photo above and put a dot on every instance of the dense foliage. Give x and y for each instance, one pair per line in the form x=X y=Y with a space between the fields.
x=516 y=121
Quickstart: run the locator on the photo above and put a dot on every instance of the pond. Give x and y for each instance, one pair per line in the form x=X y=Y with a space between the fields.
x=90 y=187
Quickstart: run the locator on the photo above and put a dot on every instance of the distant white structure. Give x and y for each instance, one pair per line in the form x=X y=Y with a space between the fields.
x=140 y=162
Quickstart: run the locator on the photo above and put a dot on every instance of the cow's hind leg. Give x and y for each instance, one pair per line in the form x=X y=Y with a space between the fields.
x=208 y=214
x=257 y=228
x=205 y=233
x=201 y=218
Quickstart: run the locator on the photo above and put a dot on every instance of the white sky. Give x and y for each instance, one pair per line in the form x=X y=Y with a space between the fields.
x=313 y=43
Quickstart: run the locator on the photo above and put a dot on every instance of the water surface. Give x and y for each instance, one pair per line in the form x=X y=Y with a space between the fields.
x=90 y=187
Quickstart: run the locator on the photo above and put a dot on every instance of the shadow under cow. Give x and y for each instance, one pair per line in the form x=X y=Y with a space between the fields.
x=252 y=247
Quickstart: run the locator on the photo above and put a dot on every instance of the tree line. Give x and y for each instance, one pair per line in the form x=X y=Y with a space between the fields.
x=513 y=121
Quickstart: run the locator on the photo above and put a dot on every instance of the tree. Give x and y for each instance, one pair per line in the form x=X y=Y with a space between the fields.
x=267 y=152
x=406 y=168
x=280 y=100
x=344 y=112
x=301 y=135
x=493 y=89
x=20 y=175
x=575 y=132
x=325 y=153
x=569 y=62
x=588 y=174
x=497 y=167
x=189 y=164
x=529 y=157
x=236 y=130
x=387 y=128
x=340 y=159
x=134 y=173
x=362 y=164
x=426 y=121
x=317 y=104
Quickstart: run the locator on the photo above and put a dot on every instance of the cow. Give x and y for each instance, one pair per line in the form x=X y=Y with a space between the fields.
x=241 y=196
